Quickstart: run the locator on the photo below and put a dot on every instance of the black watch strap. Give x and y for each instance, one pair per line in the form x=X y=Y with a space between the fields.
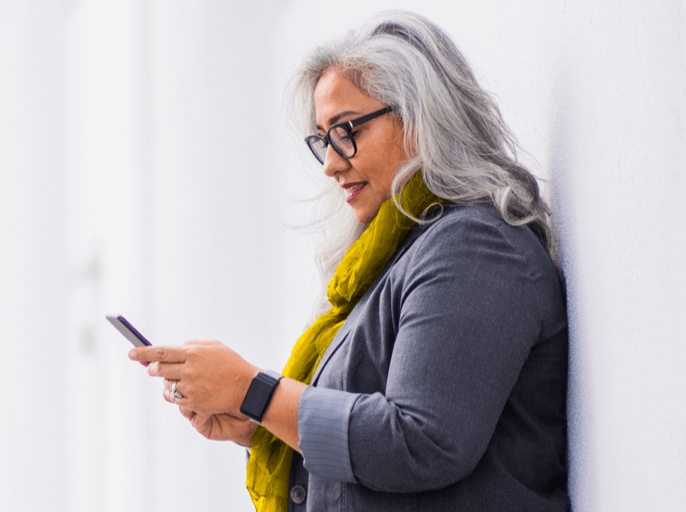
x=260 y=394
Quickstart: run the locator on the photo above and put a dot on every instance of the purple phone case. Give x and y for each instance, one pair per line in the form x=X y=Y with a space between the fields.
x=129 y=331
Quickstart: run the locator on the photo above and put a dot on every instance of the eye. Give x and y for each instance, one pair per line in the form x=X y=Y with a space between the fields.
x=352 y=135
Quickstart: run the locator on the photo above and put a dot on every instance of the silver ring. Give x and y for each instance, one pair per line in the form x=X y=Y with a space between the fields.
x=174 y=392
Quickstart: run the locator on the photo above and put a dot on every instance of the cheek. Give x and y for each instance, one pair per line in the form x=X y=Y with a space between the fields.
x=385 y=155
x=387 y=167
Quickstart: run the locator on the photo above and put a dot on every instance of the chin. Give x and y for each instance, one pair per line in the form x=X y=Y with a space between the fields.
x=365 y=216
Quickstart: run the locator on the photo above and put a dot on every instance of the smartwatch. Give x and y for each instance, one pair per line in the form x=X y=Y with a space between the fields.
x=260 y=394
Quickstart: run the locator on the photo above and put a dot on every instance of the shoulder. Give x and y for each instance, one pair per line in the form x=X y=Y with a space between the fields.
x=479 y=230
x=459 y=221
x=473 y=251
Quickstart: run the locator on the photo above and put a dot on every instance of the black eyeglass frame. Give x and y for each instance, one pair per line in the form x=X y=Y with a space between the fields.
x=348 y=126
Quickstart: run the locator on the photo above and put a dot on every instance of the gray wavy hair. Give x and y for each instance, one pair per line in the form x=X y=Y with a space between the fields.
x=462 y=146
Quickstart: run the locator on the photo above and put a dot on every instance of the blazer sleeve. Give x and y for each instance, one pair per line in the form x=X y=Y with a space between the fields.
x=468 y=319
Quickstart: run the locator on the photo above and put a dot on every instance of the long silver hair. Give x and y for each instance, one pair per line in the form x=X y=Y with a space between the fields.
x=460 y=143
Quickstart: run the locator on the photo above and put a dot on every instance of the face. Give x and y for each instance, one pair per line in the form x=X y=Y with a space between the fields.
x=366 y=177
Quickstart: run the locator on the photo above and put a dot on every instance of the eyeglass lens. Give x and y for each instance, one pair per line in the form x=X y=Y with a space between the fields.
x=341 y=141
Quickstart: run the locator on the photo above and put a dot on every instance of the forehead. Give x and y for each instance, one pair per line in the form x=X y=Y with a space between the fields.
x=335 y=94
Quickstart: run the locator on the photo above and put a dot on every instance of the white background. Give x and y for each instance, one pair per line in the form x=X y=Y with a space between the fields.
x=146 y=170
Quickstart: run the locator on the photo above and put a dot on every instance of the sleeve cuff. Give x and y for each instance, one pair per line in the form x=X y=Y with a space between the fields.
x=323 y=418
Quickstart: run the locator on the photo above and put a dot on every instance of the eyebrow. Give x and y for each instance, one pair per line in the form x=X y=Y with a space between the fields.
x=337 y=117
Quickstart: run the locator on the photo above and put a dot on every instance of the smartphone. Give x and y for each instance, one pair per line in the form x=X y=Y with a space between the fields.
x=129 y=331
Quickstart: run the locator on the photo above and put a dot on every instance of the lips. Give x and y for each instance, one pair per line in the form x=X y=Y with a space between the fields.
x=354 y=189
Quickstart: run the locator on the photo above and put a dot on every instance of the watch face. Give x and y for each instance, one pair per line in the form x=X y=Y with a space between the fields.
x=257 y=398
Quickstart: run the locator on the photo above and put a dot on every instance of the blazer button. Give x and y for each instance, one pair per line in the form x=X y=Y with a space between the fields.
x=298 y=495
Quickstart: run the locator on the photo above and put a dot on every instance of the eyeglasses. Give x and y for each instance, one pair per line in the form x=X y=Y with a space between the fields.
x=341 y=137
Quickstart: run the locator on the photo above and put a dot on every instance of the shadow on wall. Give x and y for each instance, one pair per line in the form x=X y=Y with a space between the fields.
x=562 y=182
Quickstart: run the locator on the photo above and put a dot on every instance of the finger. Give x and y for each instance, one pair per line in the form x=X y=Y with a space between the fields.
x=201 y=342
x=170 y=371
x=186 y=412
x=157 y=369
x=158 y=353
x=153 y=369
x=167 y=396
x=166 y=392
x=179 y=389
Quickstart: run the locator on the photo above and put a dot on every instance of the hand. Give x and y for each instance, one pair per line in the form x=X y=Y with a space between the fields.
x=212 y=378
x=222 y=427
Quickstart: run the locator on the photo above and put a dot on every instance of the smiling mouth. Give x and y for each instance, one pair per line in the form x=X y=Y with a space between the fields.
x=354 y=189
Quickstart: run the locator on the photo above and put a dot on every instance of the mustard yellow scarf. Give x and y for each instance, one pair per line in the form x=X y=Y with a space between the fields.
x=270 y=458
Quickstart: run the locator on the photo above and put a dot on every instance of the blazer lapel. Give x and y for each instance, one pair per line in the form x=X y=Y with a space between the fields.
x=350 y=321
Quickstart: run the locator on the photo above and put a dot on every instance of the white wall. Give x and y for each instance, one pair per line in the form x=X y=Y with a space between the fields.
x=145 y=170
x=619 y=172
x=33 y=262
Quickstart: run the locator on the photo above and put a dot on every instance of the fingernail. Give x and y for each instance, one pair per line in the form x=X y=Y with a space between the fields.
x=132 y=354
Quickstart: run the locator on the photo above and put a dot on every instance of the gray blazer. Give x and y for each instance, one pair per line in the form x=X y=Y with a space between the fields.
x=446 y=387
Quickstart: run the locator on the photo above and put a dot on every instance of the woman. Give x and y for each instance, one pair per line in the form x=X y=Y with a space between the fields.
x=437 y=378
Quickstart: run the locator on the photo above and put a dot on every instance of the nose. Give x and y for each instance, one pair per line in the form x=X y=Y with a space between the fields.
x=334 y=163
